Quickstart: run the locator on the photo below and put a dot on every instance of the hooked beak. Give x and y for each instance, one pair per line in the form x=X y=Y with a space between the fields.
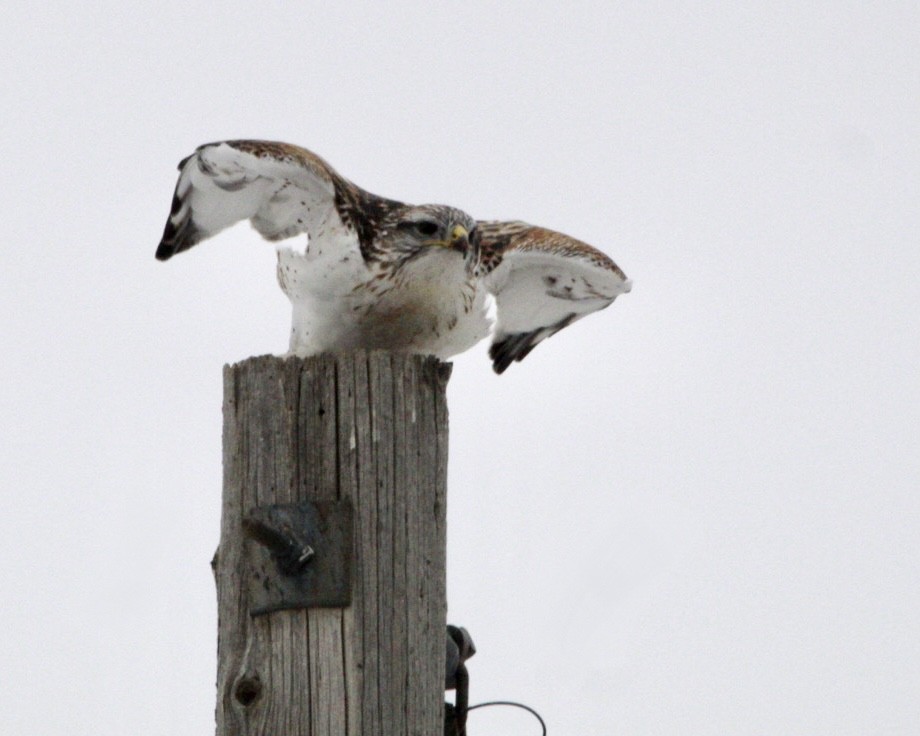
x=459 y=239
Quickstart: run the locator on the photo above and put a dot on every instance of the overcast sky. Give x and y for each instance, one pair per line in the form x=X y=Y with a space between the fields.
x=696 y=512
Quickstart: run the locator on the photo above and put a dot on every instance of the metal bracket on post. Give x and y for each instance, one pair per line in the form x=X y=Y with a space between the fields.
x=303 y=556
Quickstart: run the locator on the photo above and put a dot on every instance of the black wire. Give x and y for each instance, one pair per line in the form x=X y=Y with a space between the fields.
x=516 y=705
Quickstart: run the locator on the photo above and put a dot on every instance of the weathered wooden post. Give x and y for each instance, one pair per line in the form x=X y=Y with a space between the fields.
x=369 y=429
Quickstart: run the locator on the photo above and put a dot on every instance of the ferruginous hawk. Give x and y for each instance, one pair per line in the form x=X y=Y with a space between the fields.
x=381 y=274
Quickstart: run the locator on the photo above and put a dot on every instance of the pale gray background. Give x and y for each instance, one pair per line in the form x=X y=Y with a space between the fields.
x=694 y=513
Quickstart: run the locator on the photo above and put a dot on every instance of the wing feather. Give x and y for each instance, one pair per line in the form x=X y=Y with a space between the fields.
x=542 y=282
x=283 y=189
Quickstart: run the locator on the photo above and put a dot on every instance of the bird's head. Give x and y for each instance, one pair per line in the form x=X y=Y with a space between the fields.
x=434 y=228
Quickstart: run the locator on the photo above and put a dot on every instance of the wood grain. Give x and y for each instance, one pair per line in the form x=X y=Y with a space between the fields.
x=370 y=427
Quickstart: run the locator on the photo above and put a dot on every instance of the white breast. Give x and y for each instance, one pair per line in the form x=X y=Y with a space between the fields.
x=428 y=306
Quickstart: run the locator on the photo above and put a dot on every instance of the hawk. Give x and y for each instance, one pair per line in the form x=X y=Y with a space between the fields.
x=382 y=274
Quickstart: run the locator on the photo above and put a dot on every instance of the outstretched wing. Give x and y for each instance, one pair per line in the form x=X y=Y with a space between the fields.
x=542 y=282
x=283 y=189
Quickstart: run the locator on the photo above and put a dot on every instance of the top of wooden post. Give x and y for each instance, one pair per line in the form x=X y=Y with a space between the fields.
x=369 y=428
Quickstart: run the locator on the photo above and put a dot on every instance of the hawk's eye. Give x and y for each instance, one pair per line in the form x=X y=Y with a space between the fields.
x=427 y=227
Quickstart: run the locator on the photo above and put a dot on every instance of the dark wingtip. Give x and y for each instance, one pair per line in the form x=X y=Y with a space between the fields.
x=177 y=237
x=165 y=251
x=180 y=236
x=517 y=346
x=499 y=366
x=171 y=242
x=513 y=347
